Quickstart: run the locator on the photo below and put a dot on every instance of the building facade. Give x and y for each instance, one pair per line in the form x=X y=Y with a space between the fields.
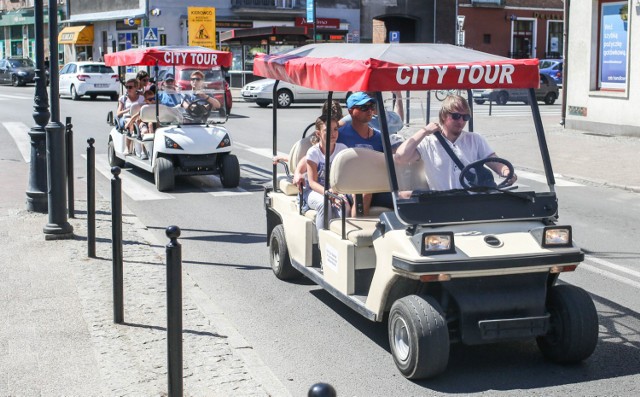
x=602 y=69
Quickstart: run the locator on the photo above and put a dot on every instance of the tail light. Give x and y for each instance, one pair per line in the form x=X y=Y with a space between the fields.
x=83 y=77
x=115 y=77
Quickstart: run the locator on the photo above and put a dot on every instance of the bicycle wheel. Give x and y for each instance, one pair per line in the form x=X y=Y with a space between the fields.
x=441 y=94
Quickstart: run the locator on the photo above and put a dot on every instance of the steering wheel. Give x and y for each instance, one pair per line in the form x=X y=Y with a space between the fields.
x=474 y=175
x=200 y=108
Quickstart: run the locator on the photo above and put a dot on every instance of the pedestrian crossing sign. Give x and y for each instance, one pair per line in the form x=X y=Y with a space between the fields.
x=150 y=34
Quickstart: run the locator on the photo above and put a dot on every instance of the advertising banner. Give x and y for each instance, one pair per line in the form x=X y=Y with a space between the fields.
x=614 y=45
x=202 y=27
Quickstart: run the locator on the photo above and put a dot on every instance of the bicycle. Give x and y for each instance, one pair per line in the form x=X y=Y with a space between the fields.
x=442 y=94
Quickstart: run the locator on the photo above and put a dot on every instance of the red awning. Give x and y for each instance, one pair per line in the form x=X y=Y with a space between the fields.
x=169 y=56
x=391 y=67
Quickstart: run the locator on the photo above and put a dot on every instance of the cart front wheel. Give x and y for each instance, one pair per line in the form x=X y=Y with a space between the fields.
x=419 y=337
x=163 y=174
x=573 y=334
x=229 y=171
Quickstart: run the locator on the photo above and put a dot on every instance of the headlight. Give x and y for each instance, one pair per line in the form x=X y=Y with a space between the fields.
x=437 y=243
x=22 y=73
x=170 y=144
x=224 y=142
x=556 y=236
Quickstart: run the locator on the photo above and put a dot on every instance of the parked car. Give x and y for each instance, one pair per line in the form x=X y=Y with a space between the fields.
x=261 y=92
x=548 y=93
x=17 y=71
x=213 y=77
x=552 y=68
x=88 y=78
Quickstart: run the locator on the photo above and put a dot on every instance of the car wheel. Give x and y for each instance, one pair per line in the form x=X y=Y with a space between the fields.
x=114 y=97
x=279 y=256
x=418 y=337
x=93 y=97
x=502 y=98
x=74 y=93
x=263 y=104
x=479 y=101
x=15 y=81
x=114 y=161
x=284 y=98
x=163 y=174
x=550 y=98
x=573 y=333
x=229 y=171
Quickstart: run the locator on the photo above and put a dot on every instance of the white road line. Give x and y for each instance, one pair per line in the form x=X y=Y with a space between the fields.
x=610 y=275
x=20 y=133
x=542 y=179
x=5 y=96
x=211 y=184
x=132 y=186
x=610 y=265
x=259 y=151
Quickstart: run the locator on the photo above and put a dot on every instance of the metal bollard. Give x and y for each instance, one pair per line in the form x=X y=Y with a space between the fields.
x=174 y=311
x=70 y=178
x=490 y=106
x=91 y=199
x=322 y=390
x=116 y=242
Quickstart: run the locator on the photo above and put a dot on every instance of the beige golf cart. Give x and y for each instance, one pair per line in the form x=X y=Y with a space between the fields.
x=475 y=265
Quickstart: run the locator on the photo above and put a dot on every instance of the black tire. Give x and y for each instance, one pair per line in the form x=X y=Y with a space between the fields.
x=279 y=256
x=502 y=98
x=229 y=171
x=573 y=333
x=114 y=97
x=93 y=97
x=263 y=104
x=163 y=174
x=479 y=101
x=114 y=161
x=441 y=94
x=284 y=98
x=74 y=93
x=550 y=98
x=418 y=337
x=15 y=81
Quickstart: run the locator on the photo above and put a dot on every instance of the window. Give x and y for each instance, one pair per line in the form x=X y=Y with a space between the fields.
x=613 y=45
x=555 y=45
x=486 y=39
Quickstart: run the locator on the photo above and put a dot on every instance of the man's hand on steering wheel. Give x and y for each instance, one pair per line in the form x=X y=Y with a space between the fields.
x=200 y=108
x=474 y=175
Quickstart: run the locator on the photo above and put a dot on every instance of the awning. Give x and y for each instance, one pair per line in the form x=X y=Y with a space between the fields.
x=106 y=16
x=78 y=35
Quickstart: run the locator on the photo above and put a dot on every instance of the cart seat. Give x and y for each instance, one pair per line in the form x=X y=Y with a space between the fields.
x=166 y=114
x=298 y=151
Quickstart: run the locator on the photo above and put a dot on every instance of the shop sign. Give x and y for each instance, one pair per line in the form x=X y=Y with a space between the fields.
x=540 y=15
x=321 y=23
x=202 y=27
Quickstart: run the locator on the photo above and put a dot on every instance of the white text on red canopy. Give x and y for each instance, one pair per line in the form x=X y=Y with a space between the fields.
x=184 y=58
x=467 y=74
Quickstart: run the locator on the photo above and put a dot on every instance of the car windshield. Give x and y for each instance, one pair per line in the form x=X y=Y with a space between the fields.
x=102 y=69
x=213 y=78
x=20 y=63
x=544 y=64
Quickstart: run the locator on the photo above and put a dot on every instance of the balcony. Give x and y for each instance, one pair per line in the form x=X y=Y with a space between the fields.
x=286 y=7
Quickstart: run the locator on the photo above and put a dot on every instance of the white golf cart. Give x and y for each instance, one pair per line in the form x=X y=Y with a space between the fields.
x=475 y=265
x=189 y=138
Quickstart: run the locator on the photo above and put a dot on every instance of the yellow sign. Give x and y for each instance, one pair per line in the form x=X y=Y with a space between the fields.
x=202 y=26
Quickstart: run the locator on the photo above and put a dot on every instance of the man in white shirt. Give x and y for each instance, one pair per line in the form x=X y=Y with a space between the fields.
x=441 y=171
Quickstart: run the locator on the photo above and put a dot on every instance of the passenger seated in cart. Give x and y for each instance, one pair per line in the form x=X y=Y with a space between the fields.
x=169 y=96
x=441 y=171
x=316 y=170
x=123 y=113
x=198 y=102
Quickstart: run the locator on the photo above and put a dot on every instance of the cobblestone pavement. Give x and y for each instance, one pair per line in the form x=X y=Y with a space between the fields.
x=60 y=338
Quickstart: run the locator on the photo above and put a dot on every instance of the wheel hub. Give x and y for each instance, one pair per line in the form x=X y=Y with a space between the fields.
x=401 y=343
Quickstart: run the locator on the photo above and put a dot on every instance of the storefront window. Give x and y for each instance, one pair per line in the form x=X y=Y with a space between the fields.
x=614 y=45
x=522 y=39
x=555 y=45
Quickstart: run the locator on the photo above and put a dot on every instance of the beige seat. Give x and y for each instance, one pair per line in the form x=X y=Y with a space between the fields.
x=298 y=151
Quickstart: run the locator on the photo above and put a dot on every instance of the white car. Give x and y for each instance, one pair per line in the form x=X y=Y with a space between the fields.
x=261 y=92
x=88 y=78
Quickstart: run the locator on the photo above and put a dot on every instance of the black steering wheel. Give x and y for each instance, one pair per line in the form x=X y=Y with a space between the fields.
x=475 y=175
x=200 y=108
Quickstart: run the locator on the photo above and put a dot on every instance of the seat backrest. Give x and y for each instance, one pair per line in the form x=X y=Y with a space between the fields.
x=135 y=109
x=166 y=114
x=359 y=170
x=412 y=176
x=298 y=151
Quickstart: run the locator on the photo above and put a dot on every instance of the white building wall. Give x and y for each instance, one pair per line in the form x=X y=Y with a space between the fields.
x=588 y=108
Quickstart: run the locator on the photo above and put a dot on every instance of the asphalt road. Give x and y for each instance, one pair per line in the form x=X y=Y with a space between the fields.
x=305 y=335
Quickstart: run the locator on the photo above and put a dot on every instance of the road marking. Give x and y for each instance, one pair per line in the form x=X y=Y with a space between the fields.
x=211 y=184
x=543 y=179
x=610 y=275
x=268 y=153
x=5 y=96
x=20 y=133
x=133 y=186
x=608 y=264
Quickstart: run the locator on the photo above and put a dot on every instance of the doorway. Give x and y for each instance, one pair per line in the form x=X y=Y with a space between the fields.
x=523 y=39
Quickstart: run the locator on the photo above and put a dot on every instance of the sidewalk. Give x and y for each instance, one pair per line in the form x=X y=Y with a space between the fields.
x=58 y=336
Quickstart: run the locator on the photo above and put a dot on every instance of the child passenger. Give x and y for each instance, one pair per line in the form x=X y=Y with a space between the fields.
x=316 y=170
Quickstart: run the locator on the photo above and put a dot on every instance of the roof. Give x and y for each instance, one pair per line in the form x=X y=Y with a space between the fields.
x=169 y=56
x=390 y=67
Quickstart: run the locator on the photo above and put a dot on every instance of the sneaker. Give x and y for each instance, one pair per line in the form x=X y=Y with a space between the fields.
x=144 y=156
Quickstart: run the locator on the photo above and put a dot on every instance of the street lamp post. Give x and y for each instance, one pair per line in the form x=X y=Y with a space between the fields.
x=57 y=227
x=36 y=196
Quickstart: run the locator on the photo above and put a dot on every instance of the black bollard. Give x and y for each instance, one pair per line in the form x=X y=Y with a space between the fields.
x=174 y=311
x=322 y=390
x=91 y=199
x=490 y=102
x=116 y=241
x=70 y=178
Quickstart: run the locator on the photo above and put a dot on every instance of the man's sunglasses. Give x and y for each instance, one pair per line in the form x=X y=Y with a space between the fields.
x=366 y=107
x=457 y=116
x=130 y=86
x=196 y=79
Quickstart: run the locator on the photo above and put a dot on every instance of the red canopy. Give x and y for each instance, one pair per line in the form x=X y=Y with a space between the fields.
x=391 y=67
x=169 y=56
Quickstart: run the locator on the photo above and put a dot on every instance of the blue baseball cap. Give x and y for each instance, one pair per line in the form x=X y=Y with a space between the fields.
x=358 y=98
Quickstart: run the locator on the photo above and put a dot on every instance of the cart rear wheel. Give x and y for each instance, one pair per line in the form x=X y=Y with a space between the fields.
x=163 y=174
x=114 y=161
x=279 y=256
x=573 y=335
x=418 y=337
x=230 y=171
